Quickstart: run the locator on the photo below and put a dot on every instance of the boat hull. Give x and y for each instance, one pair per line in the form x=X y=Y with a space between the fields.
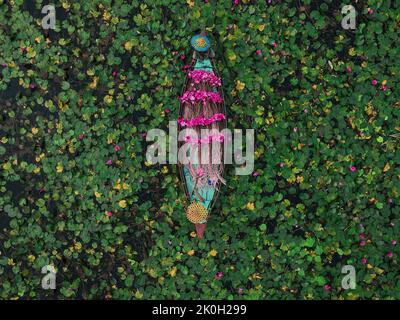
x=208 y=196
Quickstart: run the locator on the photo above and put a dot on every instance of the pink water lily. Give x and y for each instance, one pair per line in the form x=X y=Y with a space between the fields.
x=199 y=95
x=199 y=171
x=185 y=68
x=218 y=275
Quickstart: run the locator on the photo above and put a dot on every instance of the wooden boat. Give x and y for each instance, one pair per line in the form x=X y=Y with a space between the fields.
x=202 y=93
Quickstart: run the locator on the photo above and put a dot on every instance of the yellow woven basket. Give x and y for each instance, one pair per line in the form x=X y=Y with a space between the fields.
x=197 y=213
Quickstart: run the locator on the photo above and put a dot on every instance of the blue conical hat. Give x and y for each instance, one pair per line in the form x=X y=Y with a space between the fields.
x=200 y=43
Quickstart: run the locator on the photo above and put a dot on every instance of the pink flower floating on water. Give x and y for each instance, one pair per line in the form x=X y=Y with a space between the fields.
x=109 y=213
x=201 y=121
x=201 y=76
x=185 y=68
x=198 y=95
x=374 y=82
x=218 y=275
x=353 y=168
x=327 y=287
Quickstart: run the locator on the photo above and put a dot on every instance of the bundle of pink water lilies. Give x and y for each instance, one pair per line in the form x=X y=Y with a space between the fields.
x=201 y=121
x=201 y=76
x=196 y=96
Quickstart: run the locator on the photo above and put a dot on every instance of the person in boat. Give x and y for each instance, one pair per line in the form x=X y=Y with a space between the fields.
x=203 y=114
